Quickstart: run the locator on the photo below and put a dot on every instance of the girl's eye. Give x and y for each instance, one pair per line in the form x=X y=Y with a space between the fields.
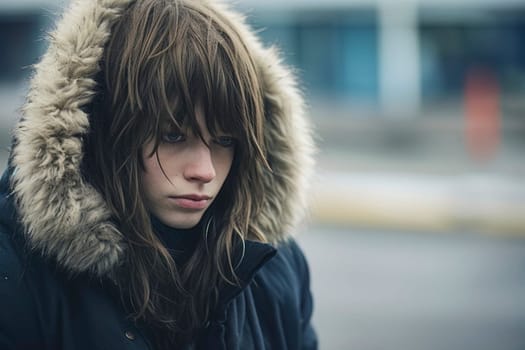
x=225 y=141
x=173 y=137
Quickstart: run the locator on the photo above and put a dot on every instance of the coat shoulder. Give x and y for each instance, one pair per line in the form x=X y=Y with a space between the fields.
x=286 y=277
x=278 y=303
x=290 y=257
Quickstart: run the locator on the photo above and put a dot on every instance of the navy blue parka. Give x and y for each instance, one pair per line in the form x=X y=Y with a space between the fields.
x=59 y=247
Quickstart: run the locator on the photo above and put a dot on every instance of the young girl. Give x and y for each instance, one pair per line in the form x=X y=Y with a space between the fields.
x=154 y=182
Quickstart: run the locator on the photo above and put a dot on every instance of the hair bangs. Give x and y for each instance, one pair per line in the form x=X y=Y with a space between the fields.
x=196 y=59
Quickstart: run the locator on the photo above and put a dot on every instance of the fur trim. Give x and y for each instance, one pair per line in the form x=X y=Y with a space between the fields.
x=288 y=142
x=65 y=218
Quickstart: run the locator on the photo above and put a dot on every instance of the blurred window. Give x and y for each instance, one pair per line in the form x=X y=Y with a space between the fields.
x=20 y=44
x=335 y=52
x=454 y=43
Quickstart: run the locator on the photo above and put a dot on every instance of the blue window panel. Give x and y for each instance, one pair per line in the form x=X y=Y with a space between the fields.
x=449 y=50
x=340 y=59
x=20 y=44
x=318 y=53
x=335 y=52
x=284 y=38
x=359 y=66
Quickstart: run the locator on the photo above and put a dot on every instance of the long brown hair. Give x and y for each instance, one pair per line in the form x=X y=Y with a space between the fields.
x=164 y=57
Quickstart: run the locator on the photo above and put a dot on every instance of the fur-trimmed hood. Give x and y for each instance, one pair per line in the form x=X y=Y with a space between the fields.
x=66 y=219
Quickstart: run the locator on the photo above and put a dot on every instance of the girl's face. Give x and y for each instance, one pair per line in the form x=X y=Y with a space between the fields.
x=194 y=172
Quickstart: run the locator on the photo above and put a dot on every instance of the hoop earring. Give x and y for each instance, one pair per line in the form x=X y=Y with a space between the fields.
x=207 y=231
x=242 y=255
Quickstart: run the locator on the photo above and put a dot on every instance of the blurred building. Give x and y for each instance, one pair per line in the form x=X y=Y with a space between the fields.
x=397 y=55
x=22 y=29
x=23 y=25
x=432 y=81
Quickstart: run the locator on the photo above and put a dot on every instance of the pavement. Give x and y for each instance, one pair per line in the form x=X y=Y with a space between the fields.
x=384 y=289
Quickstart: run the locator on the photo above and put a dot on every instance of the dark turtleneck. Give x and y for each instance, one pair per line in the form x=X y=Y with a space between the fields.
x=180 y=242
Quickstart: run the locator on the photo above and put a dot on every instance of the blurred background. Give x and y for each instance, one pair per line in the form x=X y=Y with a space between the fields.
x=416 y=233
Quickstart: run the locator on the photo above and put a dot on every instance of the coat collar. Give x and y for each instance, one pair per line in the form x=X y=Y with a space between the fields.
x=252 y=257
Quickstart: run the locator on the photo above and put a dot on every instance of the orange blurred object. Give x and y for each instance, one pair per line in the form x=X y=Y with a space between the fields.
x=482 y=114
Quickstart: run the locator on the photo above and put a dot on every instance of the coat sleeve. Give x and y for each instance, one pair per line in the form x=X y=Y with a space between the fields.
x=309 y=337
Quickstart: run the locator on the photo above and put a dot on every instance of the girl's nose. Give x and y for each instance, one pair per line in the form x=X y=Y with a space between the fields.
x=200 y=164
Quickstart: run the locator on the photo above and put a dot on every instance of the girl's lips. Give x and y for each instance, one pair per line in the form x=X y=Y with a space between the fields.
x=195 y=202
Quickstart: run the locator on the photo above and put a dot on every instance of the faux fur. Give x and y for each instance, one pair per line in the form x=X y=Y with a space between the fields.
x=65 y=218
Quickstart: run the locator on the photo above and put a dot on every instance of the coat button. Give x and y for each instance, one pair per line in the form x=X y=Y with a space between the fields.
x=130 y=335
